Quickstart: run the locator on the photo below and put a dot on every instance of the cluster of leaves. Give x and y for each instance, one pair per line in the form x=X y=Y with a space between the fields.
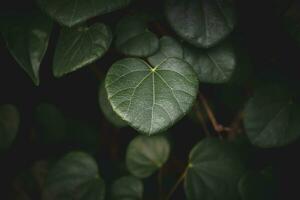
x=152 y=84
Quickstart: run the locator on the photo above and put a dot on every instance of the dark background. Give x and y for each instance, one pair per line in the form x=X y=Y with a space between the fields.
x=260 y=33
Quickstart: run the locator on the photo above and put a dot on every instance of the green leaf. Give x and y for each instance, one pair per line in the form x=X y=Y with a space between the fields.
x=151 y=98
x=50 y=124
x=107 y=110
x=134 y=39
x=147 y=154
x=71 y=12
x=215 y=65
x=27 y=39
x=74 y=177
x=127 y=187
x=202 y=23
x=258 y=185
x=168 y=48
x=213 y=172
x=79 y=46
x=272 y=117
x=9 y=125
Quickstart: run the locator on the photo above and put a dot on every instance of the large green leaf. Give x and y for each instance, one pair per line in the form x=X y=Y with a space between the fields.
x=74 y=177
x=107 y=110
x=258 y=185
x=9 y=125
x=27 y=40
x=215 y=65
x=151 y=98
x=79 y=46
x=213 y=172
x=202 y=23
x=71 y=12
x=134 y=39
x=147 y=154
x=50 y=124
x=127 y=187
x=272 y=117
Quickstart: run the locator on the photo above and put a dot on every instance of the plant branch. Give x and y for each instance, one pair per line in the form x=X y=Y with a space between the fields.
x=180 y=179
x=217 y=127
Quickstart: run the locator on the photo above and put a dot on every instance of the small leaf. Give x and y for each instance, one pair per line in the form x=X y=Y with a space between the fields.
x=202 y=23
x=134 y=39
x=168 y=48
x=215 y=65
x=107 y=110
x=272 y=117
x=258 y=185
x=127 y=187
x=80 y=46
x=9 y=125
x=27 y=39
x=147 y=154
x=151 y=98
x=213 y=172
x=71 y=12
x=75 y=176
x=51 y=124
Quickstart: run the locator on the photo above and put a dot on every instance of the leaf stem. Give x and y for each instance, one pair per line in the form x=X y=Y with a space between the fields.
x=180 y=179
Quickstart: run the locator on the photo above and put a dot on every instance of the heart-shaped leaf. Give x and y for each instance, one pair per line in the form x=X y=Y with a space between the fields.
x=76 y=177
x=71 y=12
x=107 y=110
x=258 y=185
x=147 y=154
x=9 y=125
x=202 y=23
x=127 y=187
x=80 y=46
x=151 y=98
x=134 y=39
x=215 y=65
x=50 y=124
x=213 y=172
x=27 y=40
x=272 y=117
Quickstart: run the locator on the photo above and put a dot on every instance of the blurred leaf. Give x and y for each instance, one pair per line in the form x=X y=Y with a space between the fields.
x=51 y=124
x=74 y=177
x=168 y=48
x=215 y=65
x=147 y=154
x=127 y=187
x=213 y=172
x=151 y=98
x=107 y=110
x=71 y=12
x=133 y=37
x=203 y=23
x=272 y=117
x=80 y=46
x=9 y=125
x=84 y=133
x=258 y=185
x=27 y=39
